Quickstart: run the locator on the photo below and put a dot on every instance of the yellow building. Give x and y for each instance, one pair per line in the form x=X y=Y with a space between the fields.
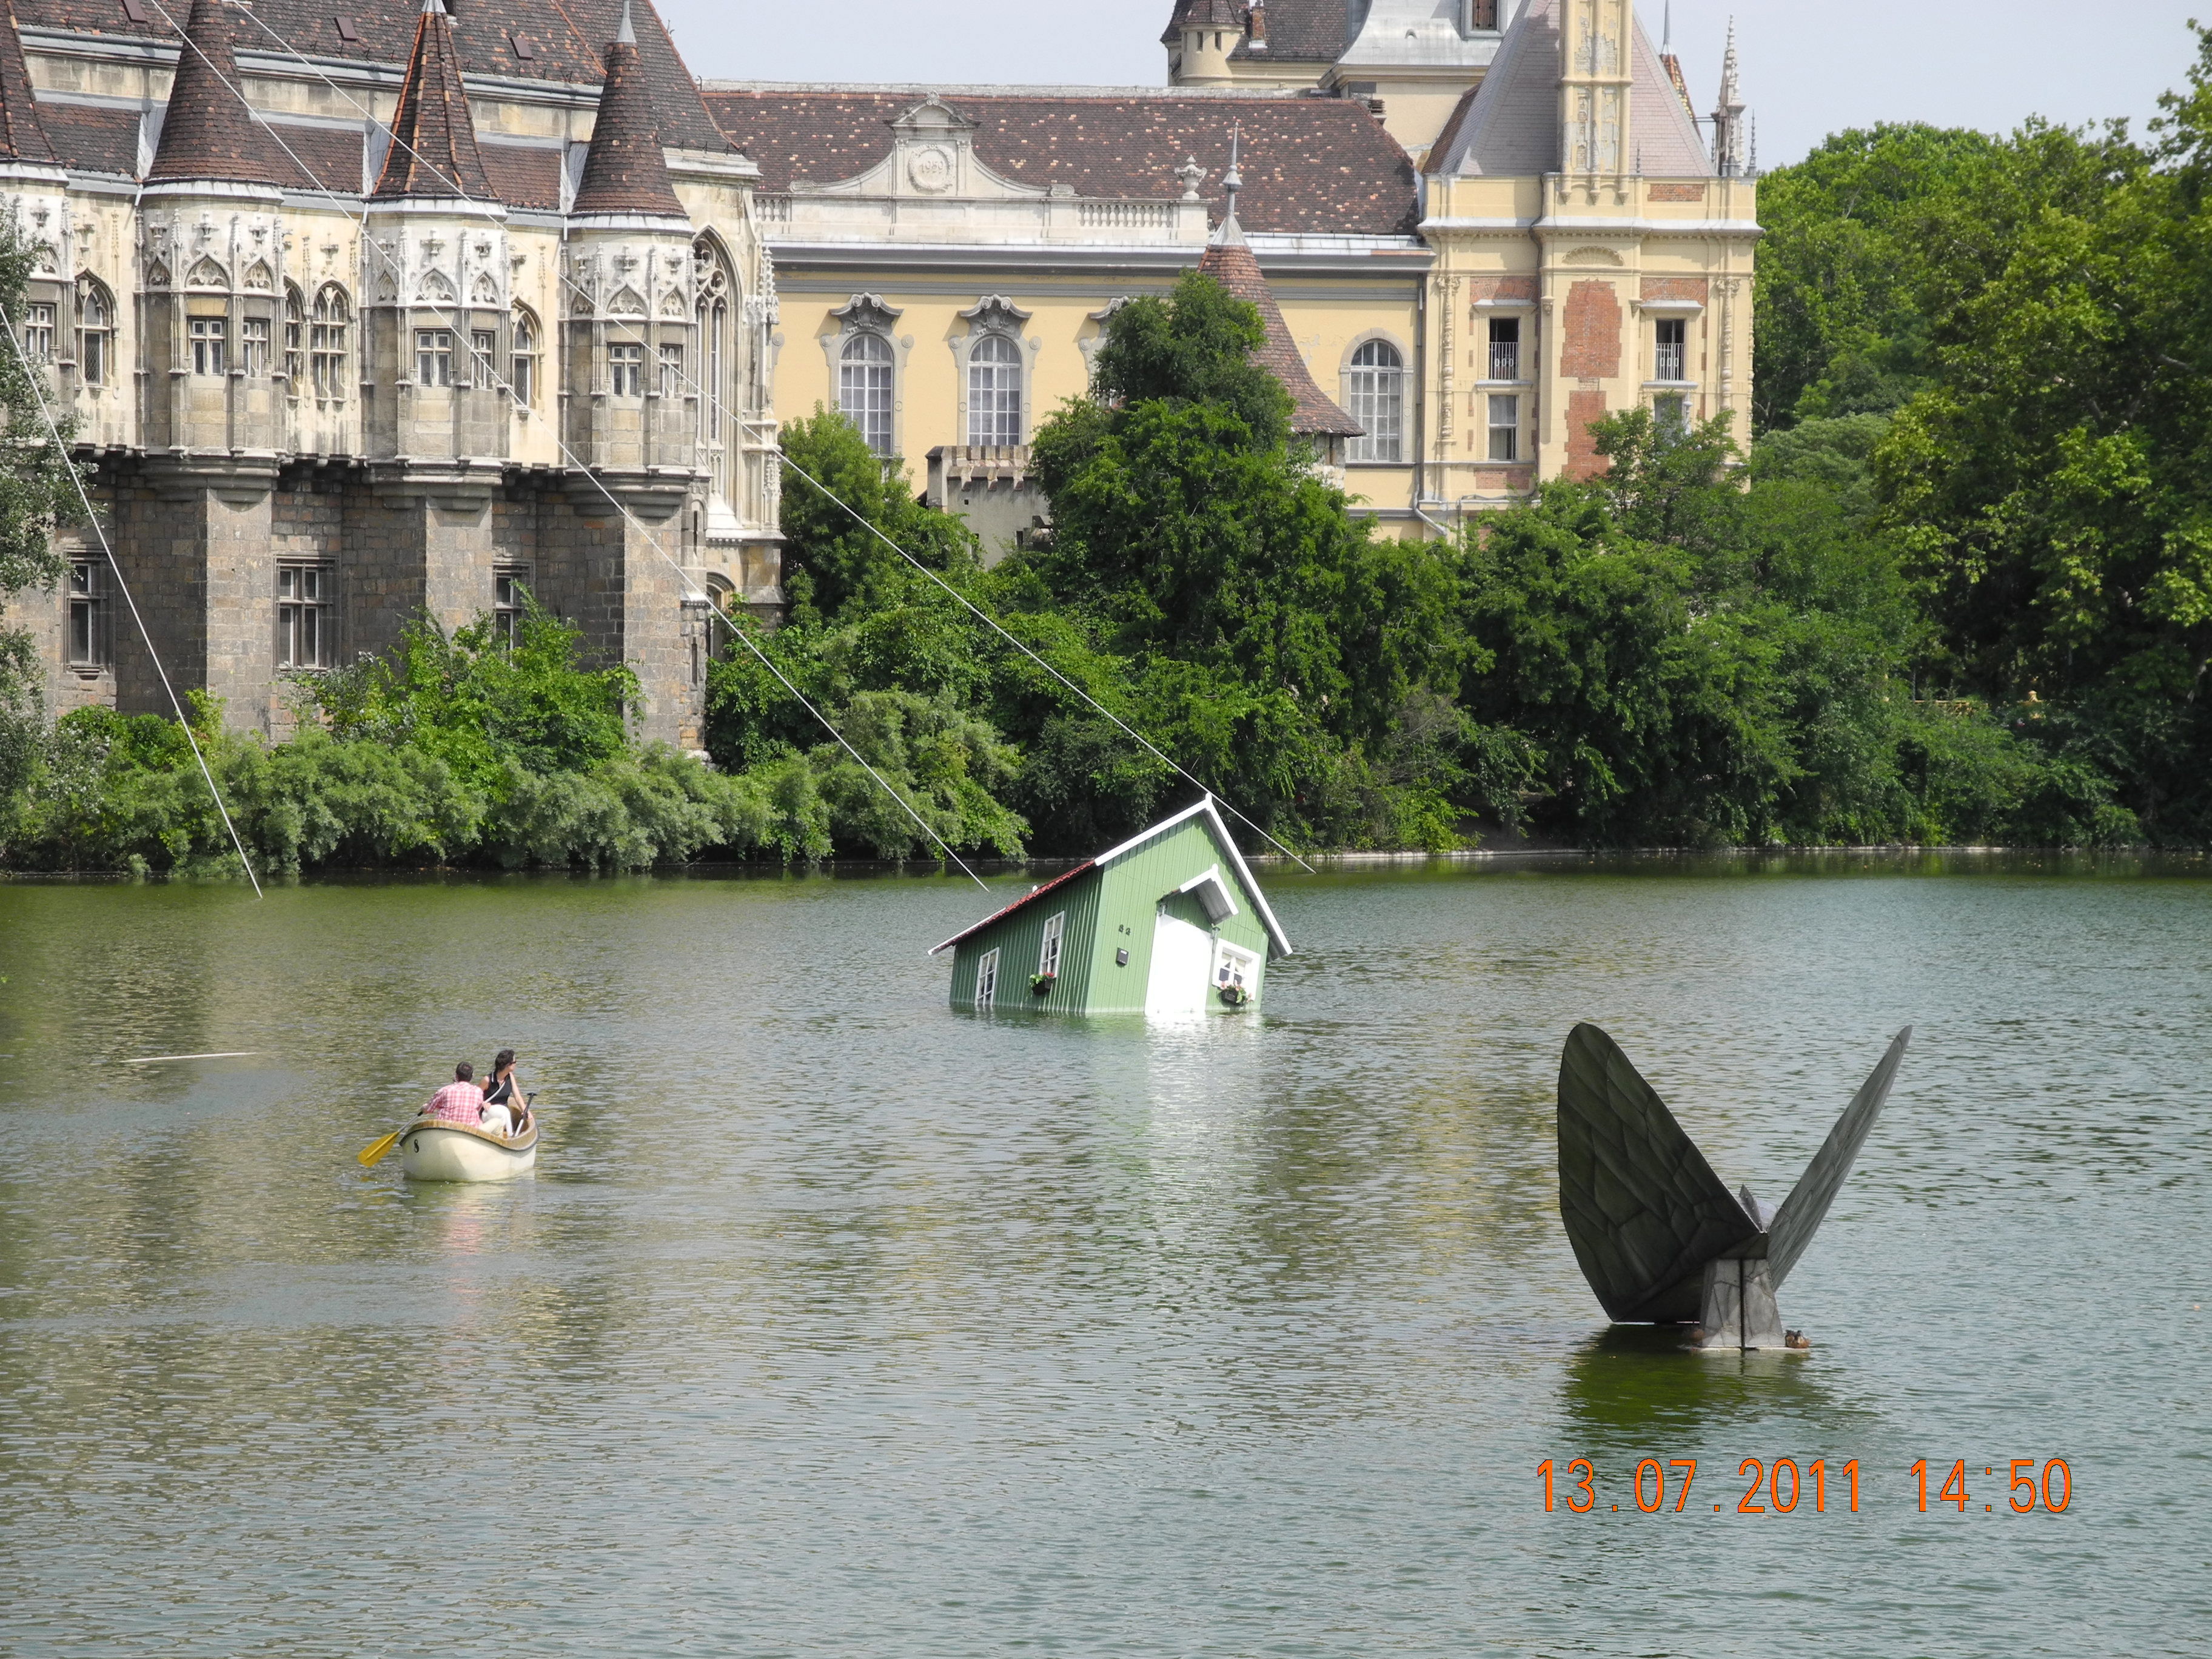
x=946 y=259
x=1592 y=256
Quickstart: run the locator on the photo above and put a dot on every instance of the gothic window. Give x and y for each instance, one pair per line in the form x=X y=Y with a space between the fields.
x=89 y=620
x=295 y=339
x=95 y=331
x=510 y=604
x=864 y=388
x=433 y=356
x=483 y=359
x=327 y=343
x=210 y=341
x=253 y=346
x=994 y=392
x=524 y=375
x=38 y=333
x=626 y=369
x=713 y=316
x=304 y=636
x=1376 y=381
x=672 y=370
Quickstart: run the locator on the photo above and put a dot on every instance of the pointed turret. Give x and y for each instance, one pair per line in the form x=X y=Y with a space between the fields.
x=626 y=171
x=1230 y=261
x=1729 y=157
x=433 y=152
x=21 y=138
x=207 y=133
x=1673 y=64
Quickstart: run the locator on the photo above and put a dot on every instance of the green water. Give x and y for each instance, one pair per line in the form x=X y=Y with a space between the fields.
x=836 y=1323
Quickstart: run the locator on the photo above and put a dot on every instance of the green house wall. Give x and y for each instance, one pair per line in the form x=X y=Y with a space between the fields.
x=1109 y=910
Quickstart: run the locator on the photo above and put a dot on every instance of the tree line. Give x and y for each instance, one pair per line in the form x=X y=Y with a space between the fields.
x=1958 y=590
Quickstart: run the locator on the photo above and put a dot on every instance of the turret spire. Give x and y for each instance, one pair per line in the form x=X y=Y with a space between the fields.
x=433 y=141
x=1729 y=158
x=1231 y=232
x=625 y=170
x=207 y=133
x=22 y=136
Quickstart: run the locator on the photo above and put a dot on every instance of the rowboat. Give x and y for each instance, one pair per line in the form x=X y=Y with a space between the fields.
x=454 y=1152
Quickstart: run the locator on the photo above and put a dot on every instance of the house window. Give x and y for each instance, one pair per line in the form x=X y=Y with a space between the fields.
x=1233 y=967
x=671 y=371
x=994 y=392
x=253 y=345
x=210 y=346
x=626 y=370
x=433 y=356
x=326 y=344
x=864 y=388
x=1672 y=362
x=95 y=331
x=987 y=980
x=483 y=359
x=1505 y=428
x=303 y=616
x=1481 y=15
x=38 y=333
x=524 y=377
x=295 y=339
x=510 y=602
x=1378 y=402
x=1048 y=956
x=89 y=636
x=1504 y=348
x=1670 y=413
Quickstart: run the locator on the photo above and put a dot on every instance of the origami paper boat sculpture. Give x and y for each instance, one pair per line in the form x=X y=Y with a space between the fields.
x=1660 y=1238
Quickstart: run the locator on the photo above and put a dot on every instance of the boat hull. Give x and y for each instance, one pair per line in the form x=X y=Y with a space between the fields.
x=451 y=1151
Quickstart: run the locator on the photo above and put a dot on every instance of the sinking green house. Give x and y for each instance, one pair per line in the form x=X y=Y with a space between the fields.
x=1171 y=922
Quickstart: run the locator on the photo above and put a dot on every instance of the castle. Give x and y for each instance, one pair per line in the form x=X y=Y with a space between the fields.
x=496 y=299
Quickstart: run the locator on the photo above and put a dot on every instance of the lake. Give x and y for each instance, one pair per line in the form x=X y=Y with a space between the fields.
x=836 y=1322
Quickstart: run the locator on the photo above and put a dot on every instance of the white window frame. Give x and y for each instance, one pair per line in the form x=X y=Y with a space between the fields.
x=1679 y=346
x=210 y=344
x=1235 y=965
x=433 y=356
x=305 y=613
x=253 y=343
x=996 y=394
x=987 y=979
x=1055 y=934
x=326 y=342
x=41 y=320
x=510 y=598
x=1514 y=347
x=484 y=358
x=626 y=369
x=88 y=644
x=1504 y=434
x=1375 y=394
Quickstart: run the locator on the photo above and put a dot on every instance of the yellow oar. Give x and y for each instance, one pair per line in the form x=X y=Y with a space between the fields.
x=371 y=1156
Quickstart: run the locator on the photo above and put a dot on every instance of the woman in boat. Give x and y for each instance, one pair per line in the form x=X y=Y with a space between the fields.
x=506 y=1112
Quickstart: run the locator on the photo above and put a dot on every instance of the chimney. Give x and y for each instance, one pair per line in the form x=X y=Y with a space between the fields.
x=1255 y=24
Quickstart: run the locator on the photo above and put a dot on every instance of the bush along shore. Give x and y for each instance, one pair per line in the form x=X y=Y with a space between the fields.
x=1960 y=591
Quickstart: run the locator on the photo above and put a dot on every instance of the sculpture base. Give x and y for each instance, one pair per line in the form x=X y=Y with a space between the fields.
x=1741 y=1311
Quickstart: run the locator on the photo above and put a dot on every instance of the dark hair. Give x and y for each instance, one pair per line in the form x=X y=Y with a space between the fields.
x=503 y=1058
x=464 y=1072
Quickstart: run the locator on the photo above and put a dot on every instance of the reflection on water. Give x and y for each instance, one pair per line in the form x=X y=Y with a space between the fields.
x=836 y=1322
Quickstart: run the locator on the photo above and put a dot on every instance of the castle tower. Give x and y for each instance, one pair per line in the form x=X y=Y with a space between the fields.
x=435 y=346
x=1595 y=86
x=211 y=280
x=634 y=411
x=1729 y=159
x=1199 y=39
x=33 y=180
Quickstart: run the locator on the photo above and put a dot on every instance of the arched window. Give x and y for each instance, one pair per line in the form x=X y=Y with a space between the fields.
x=994 y=392
x=327 y=343
x=296 y=326
x=1376 y=381
x=95 y=331
x=864 y=388
x=523 y=371
x=715 y=290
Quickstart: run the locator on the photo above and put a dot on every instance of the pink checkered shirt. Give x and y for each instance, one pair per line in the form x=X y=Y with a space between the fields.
x=458 y=1102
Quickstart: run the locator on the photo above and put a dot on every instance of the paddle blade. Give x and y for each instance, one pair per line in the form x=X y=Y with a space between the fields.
x=1806 y=1206
x=370 y=1156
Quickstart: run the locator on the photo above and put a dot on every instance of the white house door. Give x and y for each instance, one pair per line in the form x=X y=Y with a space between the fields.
x=1183 y=968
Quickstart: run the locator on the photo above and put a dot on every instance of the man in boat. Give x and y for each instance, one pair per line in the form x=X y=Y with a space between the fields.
x=459 y=1101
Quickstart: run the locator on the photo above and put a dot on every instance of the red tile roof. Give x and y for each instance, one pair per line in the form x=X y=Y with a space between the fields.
x=1314 y=413
x=1300 y=32
x=625 y=170
x=434 y=141
x=208 y=132
x=1318 y=166
x=21 y=138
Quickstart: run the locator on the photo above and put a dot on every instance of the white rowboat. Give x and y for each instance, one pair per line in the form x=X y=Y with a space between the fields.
x=454 y=1152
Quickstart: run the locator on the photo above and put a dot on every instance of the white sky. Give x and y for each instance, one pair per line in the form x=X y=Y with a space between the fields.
x=1811 y=67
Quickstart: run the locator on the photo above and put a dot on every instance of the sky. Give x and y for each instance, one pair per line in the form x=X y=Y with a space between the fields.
x=1810 y=68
